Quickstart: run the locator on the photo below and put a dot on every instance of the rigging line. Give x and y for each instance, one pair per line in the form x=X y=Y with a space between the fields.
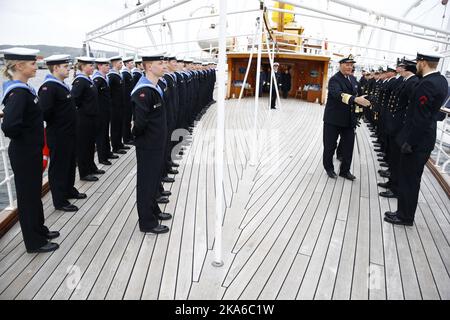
x=427 y=11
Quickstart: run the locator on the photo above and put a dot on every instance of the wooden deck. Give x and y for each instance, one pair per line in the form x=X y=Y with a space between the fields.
x=289 y=231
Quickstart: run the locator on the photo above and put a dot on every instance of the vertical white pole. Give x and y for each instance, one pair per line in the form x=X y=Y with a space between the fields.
x=218 y=262
x=248 y=66
x=272 y=60
x=258 y=77
x=272 y=78
x=88 y=51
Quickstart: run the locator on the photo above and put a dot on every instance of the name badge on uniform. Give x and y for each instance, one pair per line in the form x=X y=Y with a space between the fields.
x=36 y=100
x=157 y=105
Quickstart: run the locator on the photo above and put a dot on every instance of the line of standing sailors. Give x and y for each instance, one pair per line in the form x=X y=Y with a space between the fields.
x=172 y=94
x=403 y=118
x=78 y=122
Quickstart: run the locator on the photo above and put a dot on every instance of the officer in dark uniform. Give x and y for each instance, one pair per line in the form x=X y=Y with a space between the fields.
x=340 y=119
x=23 y=124
x=150 y=131
x=418 y=136
x=85 y=95
x=273 y=100
x=104 y=100
x=117 y=107
x=60 y=115
x=128 y=85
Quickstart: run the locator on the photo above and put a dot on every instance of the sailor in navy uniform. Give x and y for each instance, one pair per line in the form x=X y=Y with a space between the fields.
x=395 y=117
x=150 y=131
x=85 y=95
x=100 y=79
x=60 y=115
x=128 y=85
x=418 y=136
x=340 y=119
x=137 y=71
x=23 y=124
x=117 y=108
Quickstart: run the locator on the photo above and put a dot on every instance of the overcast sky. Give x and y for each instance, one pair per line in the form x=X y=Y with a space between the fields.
x=65 y=22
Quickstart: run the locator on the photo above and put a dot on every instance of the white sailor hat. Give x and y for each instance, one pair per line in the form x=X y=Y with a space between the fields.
x=428 y=56
x=126 y=59
x=23 y=54
x=205 y=63
x=188 y=60
x=138 y=60
x=180 y=58
x=276 y=64
x=153 y=56
x=102 y=61
x=390 y=69
x=170 y=56
x=86 y=59
x=115 y=58
x=57 y=59
x=197 y=62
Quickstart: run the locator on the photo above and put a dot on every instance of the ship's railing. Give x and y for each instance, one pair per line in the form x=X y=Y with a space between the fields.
x=7 y=175
x=442 y=159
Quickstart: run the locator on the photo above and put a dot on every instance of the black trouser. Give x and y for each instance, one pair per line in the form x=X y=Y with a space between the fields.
x=149 y=163
x=126 y=128
x=61 y=172
x=394 y=160
x=102 y=140
x=285 y=94
x=330 y=136
x=116 y=127
x=26 y=163
x=86 y=134
x=410 y=171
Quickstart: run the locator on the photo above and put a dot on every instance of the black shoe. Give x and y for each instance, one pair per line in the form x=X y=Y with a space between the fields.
x=156 y=230
x=90 y=178
x=172 y=171
x=105 y=162
x=390 y=214
x=68 y=208
x=120 y=151
x=396 y=220
x=125 y=148
x=373 y=136
x=385 y=185
x=130 y=142
x=340 y=158
x=113 y=156
x=166 y=193
x=347 y=176
x=388 y=194
x=381 y=155
x=162 y=200
x=99 y=171
x=52 y=235
x=164 y=216
x=77 y=196
x=378 y=150
x=384 y=164
x=332 y=174
x=181 y=153
x=49 y=247
x=385 y=174
x=168 y=180
x=175 y=165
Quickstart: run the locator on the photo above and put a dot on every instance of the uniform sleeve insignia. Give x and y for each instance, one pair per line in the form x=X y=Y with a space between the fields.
x=142 y=95
x=423 y=100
